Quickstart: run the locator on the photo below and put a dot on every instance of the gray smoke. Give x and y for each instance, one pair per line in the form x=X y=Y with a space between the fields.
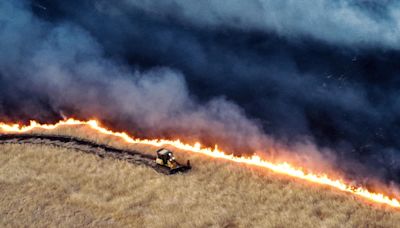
x=349 y=22
x=66 y=67
x=245 y=74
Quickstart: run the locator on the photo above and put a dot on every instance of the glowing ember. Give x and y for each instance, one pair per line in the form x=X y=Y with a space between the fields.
x=283 y=168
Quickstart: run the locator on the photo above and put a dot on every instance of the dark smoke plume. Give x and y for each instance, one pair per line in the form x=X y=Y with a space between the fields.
x=48 y=68
x=319 y=77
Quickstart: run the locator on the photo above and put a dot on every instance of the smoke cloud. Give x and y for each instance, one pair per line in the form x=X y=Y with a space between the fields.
x=47 y=68
x=343 y=22
x=318 y=78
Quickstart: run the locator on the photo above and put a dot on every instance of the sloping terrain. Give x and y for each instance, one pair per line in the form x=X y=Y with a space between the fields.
x=85 y=146
x=47 y=185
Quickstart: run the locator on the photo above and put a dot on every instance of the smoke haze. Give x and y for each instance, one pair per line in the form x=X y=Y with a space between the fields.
x=320 y=78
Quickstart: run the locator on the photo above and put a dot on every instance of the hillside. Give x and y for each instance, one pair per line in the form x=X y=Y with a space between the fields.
x=44 y=185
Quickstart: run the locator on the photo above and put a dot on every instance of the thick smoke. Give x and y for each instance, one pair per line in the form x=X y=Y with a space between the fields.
x=178 y=69
x=61 y=68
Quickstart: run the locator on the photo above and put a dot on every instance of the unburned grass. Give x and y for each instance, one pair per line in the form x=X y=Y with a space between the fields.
x=43 y=185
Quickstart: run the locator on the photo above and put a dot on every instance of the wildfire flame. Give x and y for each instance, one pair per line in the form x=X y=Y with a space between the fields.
x=282 y=168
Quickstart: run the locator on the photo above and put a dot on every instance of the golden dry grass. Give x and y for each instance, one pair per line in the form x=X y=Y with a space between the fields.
x=46 y=186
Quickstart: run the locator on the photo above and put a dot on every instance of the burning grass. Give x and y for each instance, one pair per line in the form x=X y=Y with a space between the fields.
x=50 y=186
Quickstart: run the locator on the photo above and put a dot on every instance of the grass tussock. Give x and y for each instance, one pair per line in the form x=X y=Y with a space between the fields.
x=50 y=186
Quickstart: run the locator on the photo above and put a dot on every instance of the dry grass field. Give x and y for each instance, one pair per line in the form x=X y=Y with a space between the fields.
x=47 y=186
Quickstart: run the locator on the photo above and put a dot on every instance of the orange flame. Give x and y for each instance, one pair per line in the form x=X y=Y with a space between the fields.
x=282 y=168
